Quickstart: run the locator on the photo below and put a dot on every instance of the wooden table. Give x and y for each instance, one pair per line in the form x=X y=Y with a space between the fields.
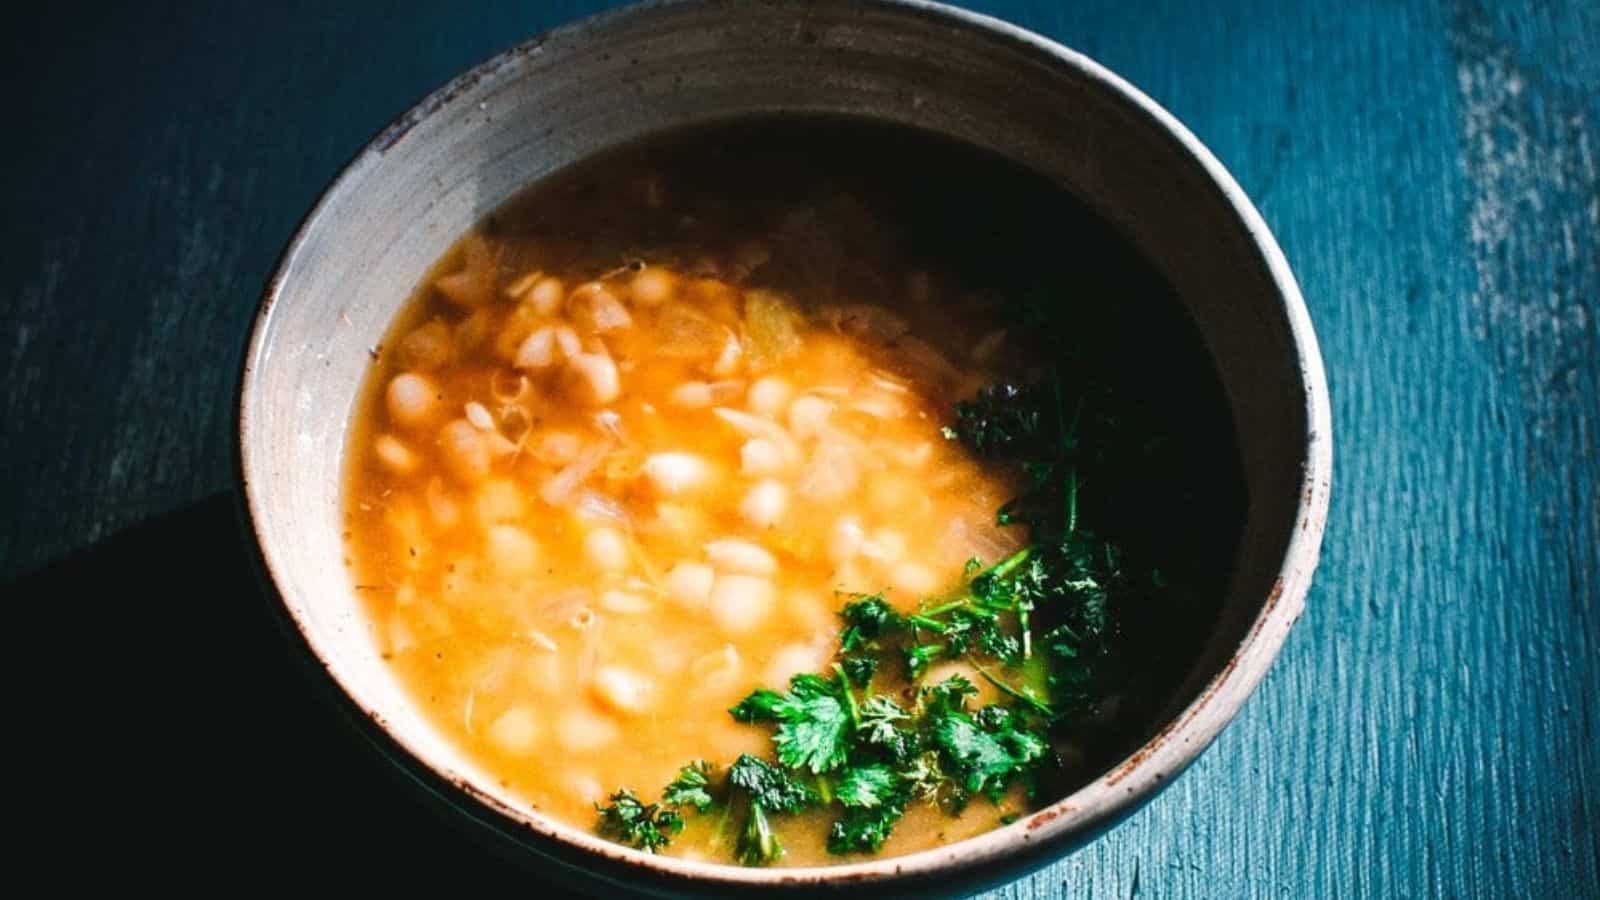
x=1431 y=169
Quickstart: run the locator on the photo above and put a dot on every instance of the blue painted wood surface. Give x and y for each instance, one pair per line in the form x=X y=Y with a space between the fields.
x=1431 y=169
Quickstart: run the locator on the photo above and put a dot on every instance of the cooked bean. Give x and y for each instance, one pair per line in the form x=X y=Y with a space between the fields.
x=689 y=583
x=584 y=788
x=691 y=395
x=885 y=545
x=598 y=310
x=913 y=578
x=765 y=503
x=624 y=603
x=770 y=396
x=512 y=550
x=516 y=731
x=546 y=346
x=517 y=288
x=558 y=447
x=760 y=456
x=652 y=287
x=808 y=415
x=623 y=689
x=675 y=472
x=845 y=539
x=499 y=500
x=412 y=399
x=795 y=659
x=394 y=454
x=592 y=378
x=729 y=358
x=465 y=450
x=606 y=549
x=732 y=555
x=740 y=603
x=717 y=669
x=546 y=296
x=581 y=730
x=425 y=348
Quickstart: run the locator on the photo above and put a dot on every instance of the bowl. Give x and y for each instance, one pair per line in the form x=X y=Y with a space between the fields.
x=622 y=75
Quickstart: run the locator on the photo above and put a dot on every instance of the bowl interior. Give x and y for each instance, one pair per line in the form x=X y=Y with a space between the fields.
x=620 y=77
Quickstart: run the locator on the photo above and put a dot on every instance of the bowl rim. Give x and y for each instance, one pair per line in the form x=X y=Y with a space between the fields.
x=1087 y=810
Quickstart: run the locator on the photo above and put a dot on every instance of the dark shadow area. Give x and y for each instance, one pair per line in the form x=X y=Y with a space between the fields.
x=182 y=742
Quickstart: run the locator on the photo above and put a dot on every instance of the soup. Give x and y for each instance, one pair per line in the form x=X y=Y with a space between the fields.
x=736 y=496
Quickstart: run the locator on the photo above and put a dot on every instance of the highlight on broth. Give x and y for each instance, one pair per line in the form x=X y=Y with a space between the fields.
x=701 y=509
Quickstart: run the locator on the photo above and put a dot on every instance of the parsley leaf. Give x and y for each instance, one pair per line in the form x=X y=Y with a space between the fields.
x=866 y=618
x=689 y=788
x=813 y=721
x=648 y=828
x=987 y=760
x=863 y=829
x=768 y=789
x=866 y=786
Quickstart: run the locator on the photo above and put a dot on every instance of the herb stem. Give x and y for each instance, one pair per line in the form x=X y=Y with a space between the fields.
x=1072 y=499
x=1005 y=566
x=849 y=696
x=1025 y=696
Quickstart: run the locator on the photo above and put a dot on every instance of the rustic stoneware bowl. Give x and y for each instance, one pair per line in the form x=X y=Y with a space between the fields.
x=619 y=76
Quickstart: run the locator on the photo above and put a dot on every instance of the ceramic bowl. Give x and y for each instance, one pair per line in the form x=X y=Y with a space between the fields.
x=618 y=76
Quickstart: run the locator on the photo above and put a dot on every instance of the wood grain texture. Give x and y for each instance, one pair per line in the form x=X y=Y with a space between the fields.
x=1431 y=169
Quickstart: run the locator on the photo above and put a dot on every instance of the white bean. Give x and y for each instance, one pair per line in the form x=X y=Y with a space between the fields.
x=499 y=500
x=606 y=549
x=465 y=450
x=727 y=361
x=624 y=603
x=546 y=296
x=581 y=730
x=512 y=550
x=765 y=503
x=623 y=689
x=479 y=416
x=583 y=787
x=740 y=603
x=652 y=287
x=885 y=545
x=717 y=669
x=676 y=472
x=558 y=447
x=546 y=346
x=599 y=309
x=793 y=660
x=516 y=731
x=592 y=378
x=412 y=399
x=734 y=555
x=808 y=415
x=845 y=539
x=913 y=578
x=689 y=583
x=394 y=454
x=760 y=456
x=691 y=395
x=769 y=396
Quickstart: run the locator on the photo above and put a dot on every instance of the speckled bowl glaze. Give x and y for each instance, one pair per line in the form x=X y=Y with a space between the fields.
x=619 y=76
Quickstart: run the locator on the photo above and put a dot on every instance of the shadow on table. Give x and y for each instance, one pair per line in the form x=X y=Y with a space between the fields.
x=171 y=706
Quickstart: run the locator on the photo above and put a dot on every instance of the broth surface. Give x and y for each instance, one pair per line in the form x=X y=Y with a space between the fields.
x=634 y=438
